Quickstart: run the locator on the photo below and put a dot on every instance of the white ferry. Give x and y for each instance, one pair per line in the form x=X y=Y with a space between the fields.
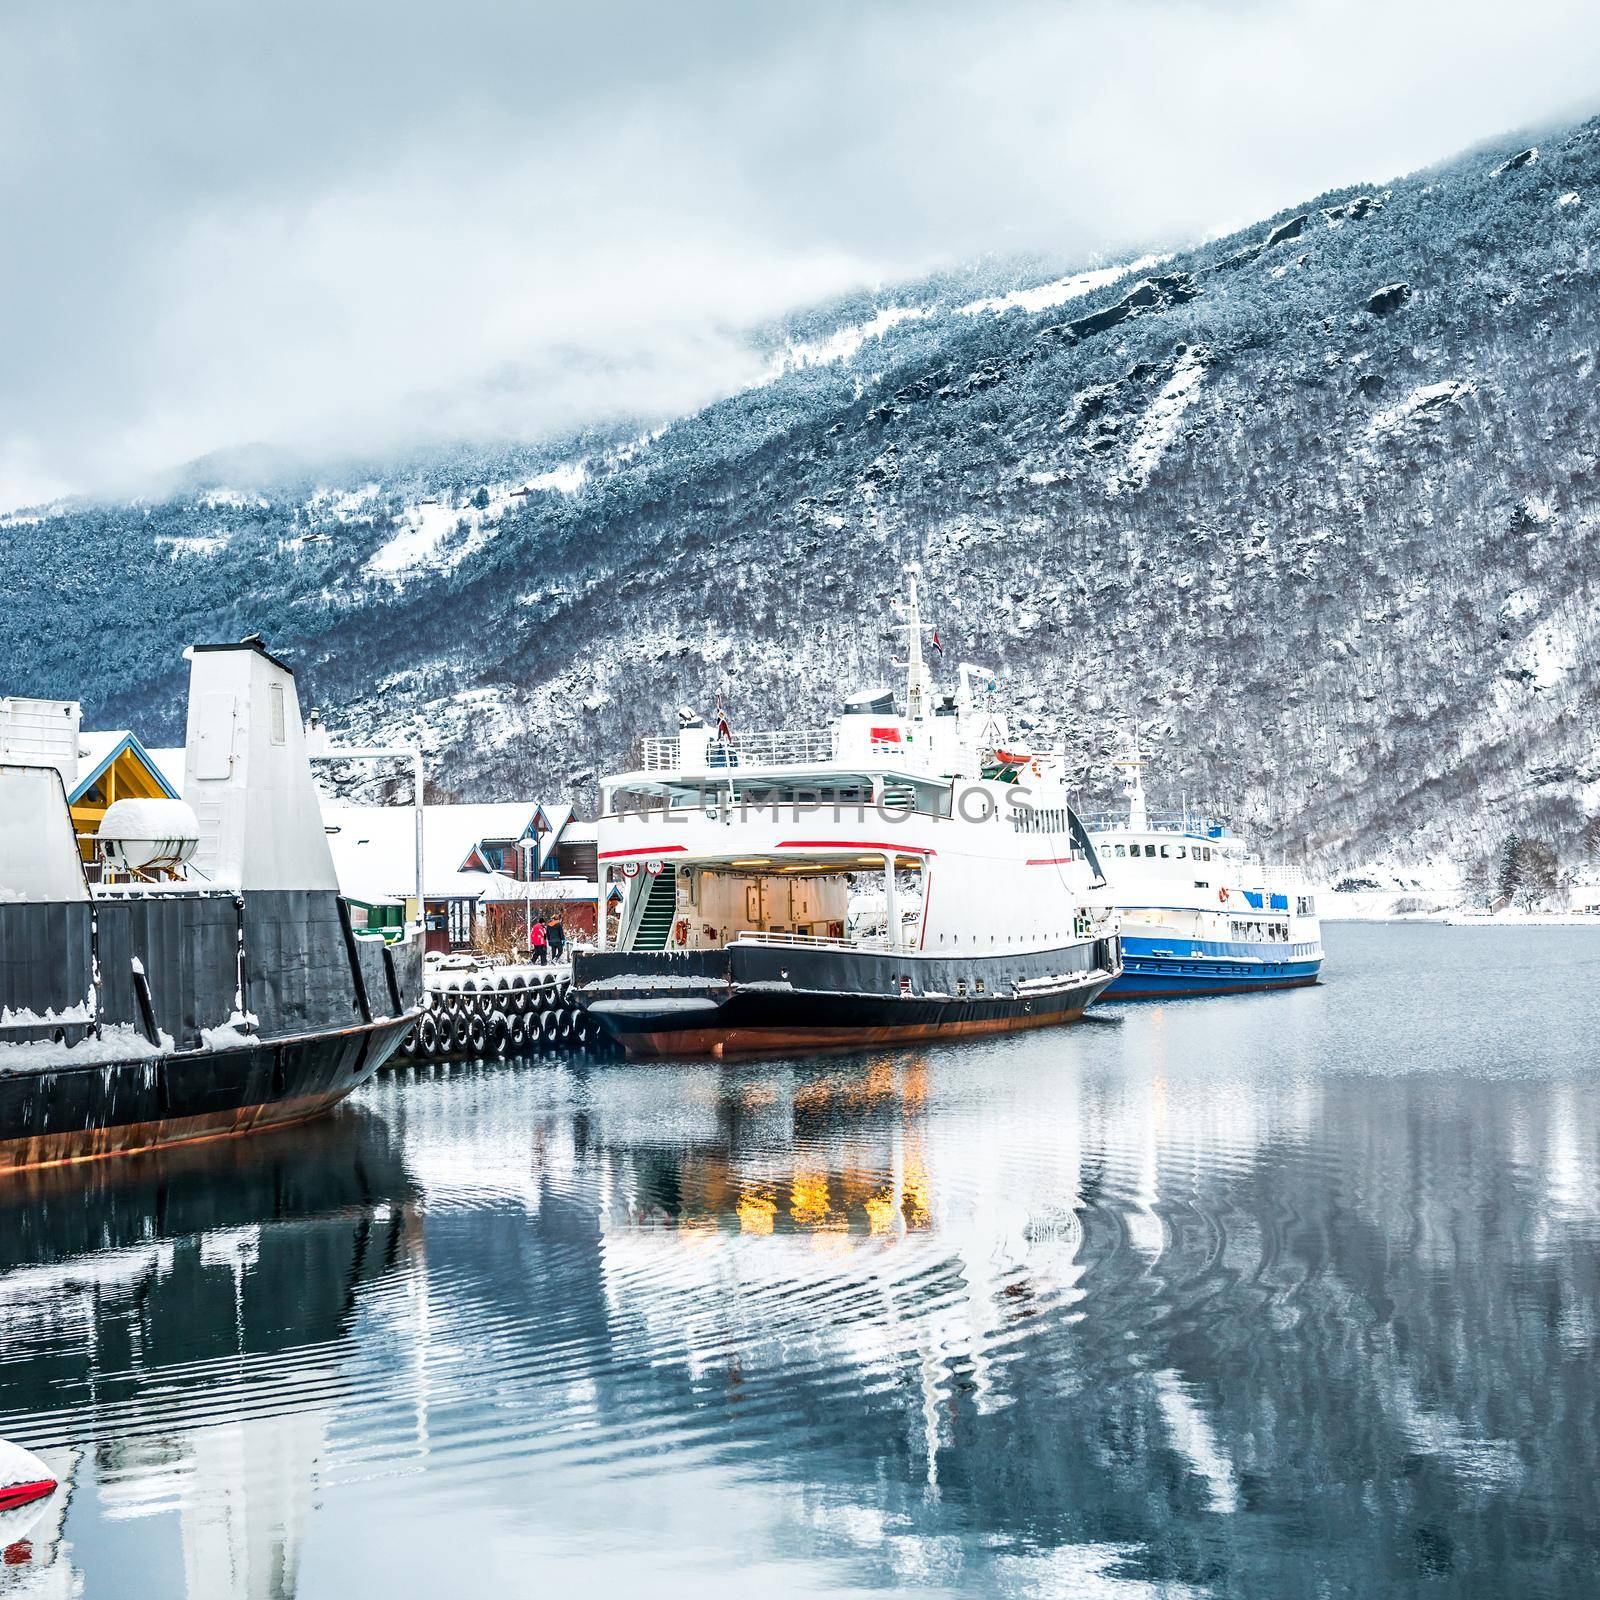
x=740 y=857
x=1200 y=914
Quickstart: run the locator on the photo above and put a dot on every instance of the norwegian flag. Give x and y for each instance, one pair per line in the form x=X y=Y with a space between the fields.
x=724 y=732
x=936 y=645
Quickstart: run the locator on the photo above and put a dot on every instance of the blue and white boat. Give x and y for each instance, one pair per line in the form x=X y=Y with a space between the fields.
x=1200 y=913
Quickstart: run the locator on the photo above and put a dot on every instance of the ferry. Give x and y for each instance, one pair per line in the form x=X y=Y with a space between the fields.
x=910 y=872
x=1200 y=914
x=210 y=980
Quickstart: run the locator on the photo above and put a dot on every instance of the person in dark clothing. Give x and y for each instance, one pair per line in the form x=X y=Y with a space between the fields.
x=556 y=937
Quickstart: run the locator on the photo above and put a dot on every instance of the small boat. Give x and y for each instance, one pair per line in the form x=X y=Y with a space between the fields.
x=210 y=981
x=909 y=873
x=24 y=1481
x=1200 y=914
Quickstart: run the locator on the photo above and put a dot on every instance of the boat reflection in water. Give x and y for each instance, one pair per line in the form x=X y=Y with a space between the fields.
x=178 y=1318
x=1159 y=1305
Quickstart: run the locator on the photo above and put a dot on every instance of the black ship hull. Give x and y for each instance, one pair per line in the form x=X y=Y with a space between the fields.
x=82 y=1112
x=762 y=998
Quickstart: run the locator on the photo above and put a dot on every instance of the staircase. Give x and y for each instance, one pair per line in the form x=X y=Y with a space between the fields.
x=655 y=922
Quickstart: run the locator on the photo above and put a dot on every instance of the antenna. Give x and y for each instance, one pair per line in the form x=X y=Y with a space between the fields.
x=918 y=681
x=1138 y=817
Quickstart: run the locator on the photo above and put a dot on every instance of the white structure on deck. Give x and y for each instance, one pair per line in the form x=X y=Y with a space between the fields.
x=721 y=837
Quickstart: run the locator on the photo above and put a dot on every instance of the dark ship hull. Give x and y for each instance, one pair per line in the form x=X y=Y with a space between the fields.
x=210 y=982
x=57 y=1114
x=760 y=999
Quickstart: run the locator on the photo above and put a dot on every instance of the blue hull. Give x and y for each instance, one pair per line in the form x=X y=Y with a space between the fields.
x=1167 y=969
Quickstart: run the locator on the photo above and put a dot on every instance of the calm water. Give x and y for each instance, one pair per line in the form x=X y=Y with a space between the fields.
x=1272 y=1296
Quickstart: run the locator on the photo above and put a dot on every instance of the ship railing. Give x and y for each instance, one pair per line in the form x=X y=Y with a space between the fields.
x=810 y=941
x=760 y=748
x=1206 y=827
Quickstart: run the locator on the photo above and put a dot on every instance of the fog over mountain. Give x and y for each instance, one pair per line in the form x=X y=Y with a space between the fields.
x=1315 y=503
x=375 y=225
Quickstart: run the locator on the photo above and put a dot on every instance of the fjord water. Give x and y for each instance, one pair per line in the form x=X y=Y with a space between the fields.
x=1277 y=1295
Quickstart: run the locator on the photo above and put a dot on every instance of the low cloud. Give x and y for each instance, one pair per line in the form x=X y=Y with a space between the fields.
x=343 y=227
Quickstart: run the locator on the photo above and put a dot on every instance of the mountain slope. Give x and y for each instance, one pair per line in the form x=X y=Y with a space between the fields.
x=1316 y=504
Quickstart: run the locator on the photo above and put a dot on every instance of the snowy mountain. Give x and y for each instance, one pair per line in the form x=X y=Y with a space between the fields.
x=1316 y=504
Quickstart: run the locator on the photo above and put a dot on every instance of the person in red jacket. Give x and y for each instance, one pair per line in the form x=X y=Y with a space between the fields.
x=536 y=939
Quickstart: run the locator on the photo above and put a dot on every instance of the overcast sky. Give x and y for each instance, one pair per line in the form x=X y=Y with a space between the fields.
x=355 y=222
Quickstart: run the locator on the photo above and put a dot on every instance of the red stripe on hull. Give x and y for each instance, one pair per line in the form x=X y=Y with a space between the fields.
x=723 y=1042
x=13 y=1495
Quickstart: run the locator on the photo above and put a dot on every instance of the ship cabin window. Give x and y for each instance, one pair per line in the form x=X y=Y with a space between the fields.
x=1121 y=851
x=1047 y=819
x=1150 y=850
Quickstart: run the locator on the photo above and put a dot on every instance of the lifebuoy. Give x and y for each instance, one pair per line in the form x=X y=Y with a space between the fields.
x=680 y=930
x=1222 y=895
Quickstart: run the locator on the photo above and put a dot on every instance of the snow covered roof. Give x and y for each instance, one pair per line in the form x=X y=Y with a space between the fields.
x=374 y=848
x=556 y=819
x=171 y=762
x=97 y=749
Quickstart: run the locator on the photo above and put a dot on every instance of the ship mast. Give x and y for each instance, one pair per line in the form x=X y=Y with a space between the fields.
x=1133 y=788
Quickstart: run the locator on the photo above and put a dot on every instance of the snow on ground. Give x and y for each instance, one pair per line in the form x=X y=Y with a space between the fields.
x=194 y=544
x=1422 y=401
x=232 y=500
x=568 y=478
x=840 y=345
x=1046 y=295
x=417 y=542
x=1158 y=428
x=344 y=505
x=1570 y=198
x=32 y=516
x=1547 y=655
x=439 y=537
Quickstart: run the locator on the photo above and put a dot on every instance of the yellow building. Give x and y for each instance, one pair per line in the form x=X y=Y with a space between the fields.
x=112 y=766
